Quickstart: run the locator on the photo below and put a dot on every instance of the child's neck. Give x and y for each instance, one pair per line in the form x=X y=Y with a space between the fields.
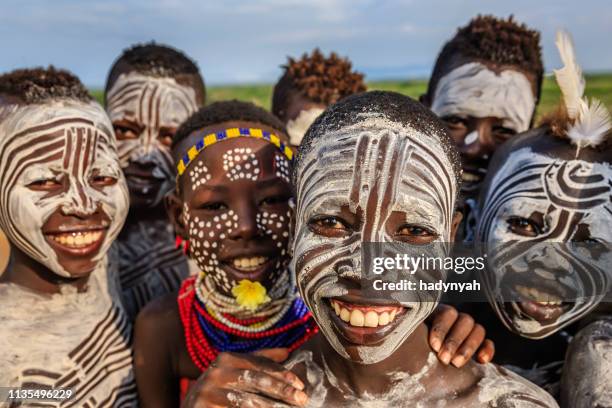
x=138 y=215
x=375 y=379
x=25 y=271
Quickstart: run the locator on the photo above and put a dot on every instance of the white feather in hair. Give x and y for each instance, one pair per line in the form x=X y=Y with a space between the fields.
x=591 y=119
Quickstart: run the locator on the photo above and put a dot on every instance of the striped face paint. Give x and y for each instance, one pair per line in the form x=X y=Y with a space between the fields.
x=69 y=144
x=472 y=89
x=383 y=173
x=530 y=276
x=157 y=106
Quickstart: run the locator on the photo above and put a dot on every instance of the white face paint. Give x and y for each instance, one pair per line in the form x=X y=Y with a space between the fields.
x=67 y=141
x=474 y=90
x=571 y=196
x=377 y=168
x=154 y=104
x=296 y=128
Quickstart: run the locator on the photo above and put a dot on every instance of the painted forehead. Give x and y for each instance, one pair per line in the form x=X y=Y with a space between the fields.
x=237 y=159
x=21 y=123
x=530 y=181
x=473 y=89
x=155 y=101
x=381 y=166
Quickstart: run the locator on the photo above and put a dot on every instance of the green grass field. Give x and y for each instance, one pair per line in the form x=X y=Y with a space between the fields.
x=598 y=86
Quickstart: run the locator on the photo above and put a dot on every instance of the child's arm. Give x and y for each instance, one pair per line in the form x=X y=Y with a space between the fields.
x=154 y=365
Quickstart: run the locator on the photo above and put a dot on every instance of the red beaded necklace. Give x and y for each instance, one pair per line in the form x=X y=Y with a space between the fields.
x=206 y=336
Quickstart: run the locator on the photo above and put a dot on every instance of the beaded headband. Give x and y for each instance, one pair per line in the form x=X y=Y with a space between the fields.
x=213 y=138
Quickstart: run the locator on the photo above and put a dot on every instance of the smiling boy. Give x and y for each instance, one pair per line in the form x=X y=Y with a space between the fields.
x=378 y=167
x=151 y=89
x=63 y=201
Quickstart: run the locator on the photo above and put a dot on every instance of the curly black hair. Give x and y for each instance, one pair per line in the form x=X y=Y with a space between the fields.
x=156 y=60
x=226 y=111
x=319 y=78
x=493 y=40
x=393 y=106
x=38 y=85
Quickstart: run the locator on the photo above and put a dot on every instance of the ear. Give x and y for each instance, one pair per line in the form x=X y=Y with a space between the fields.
x=424 y=99
x=174 y=208
x=457 y=217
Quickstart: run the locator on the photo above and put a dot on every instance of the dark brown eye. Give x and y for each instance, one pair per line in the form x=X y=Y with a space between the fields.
x=415 y=234
x=45 y=185
x=524 y=227
x=455 y=122
x=103 y=181
x=502 y=133
x=125 y=132
x=329 y=226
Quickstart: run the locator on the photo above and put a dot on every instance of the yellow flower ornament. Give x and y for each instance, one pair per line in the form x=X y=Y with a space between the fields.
x=250 y=295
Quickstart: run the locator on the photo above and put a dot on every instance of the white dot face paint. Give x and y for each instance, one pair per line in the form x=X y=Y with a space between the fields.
x=570 y=197
x=376 y=168
x=296 y=128
x=155 y=104
x=474 y=90
x=237 y=213
x=64 y=142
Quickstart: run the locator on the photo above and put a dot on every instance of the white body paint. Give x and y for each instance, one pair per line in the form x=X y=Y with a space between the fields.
x=590 y=353
x=70 y=340
x=156 y=102
x=474 y=90
x=46 y=141
x=497 y=388
x=407 y=167
x=296 y=128
x=531 y=182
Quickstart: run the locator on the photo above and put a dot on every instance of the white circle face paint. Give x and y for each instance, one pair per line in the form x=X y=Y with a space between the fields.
x=296 y=128
x=393 y=169
x=154 y=103
x=65 y=139
x=262 y=173
x=569 y=195
x=473 y=89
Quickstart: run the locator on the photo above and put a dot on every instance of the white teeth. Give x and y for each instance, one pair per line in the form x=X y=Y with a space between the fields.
x=77 y=239
x=250 y=263
x=360 y=317
x=357 y=318
x=371 y=319
x=537 y=296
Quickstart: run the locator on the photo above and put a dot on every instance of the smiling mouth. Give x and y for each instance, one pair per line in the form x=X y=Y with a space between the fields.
x=364 y=324
x=365 y=316
x=79 y=243
x=249 y=267
x=539 y=305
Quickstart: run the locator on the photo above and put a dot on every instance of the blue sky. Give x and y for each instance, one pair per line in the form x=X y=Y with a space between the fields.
x=238 y=41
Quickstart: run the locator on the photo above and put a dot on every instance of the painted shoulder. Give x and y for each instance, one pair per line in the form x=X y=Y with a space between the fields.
x=589 y=352
x=502 y=388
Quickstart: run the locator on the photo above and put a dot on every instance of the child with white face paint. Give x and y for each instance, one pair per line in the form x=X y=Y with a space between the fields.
x=485 y=86
x=308 y=86
x=548 y=189
x=151 y=89
x=379 y=167
x=63 y=201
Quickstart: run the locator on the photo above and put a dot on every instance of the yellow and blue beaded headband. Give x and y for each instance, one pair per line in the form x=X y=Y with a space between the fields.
x=221 y=135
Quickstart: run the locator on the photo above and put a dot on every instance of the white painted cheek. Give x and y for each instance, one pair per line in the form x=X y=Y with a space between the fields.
x=296 y=128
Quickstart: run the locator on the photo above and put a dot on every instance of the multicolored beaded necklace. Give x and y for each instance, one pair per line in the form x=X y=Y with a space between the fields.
x=209 y=332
